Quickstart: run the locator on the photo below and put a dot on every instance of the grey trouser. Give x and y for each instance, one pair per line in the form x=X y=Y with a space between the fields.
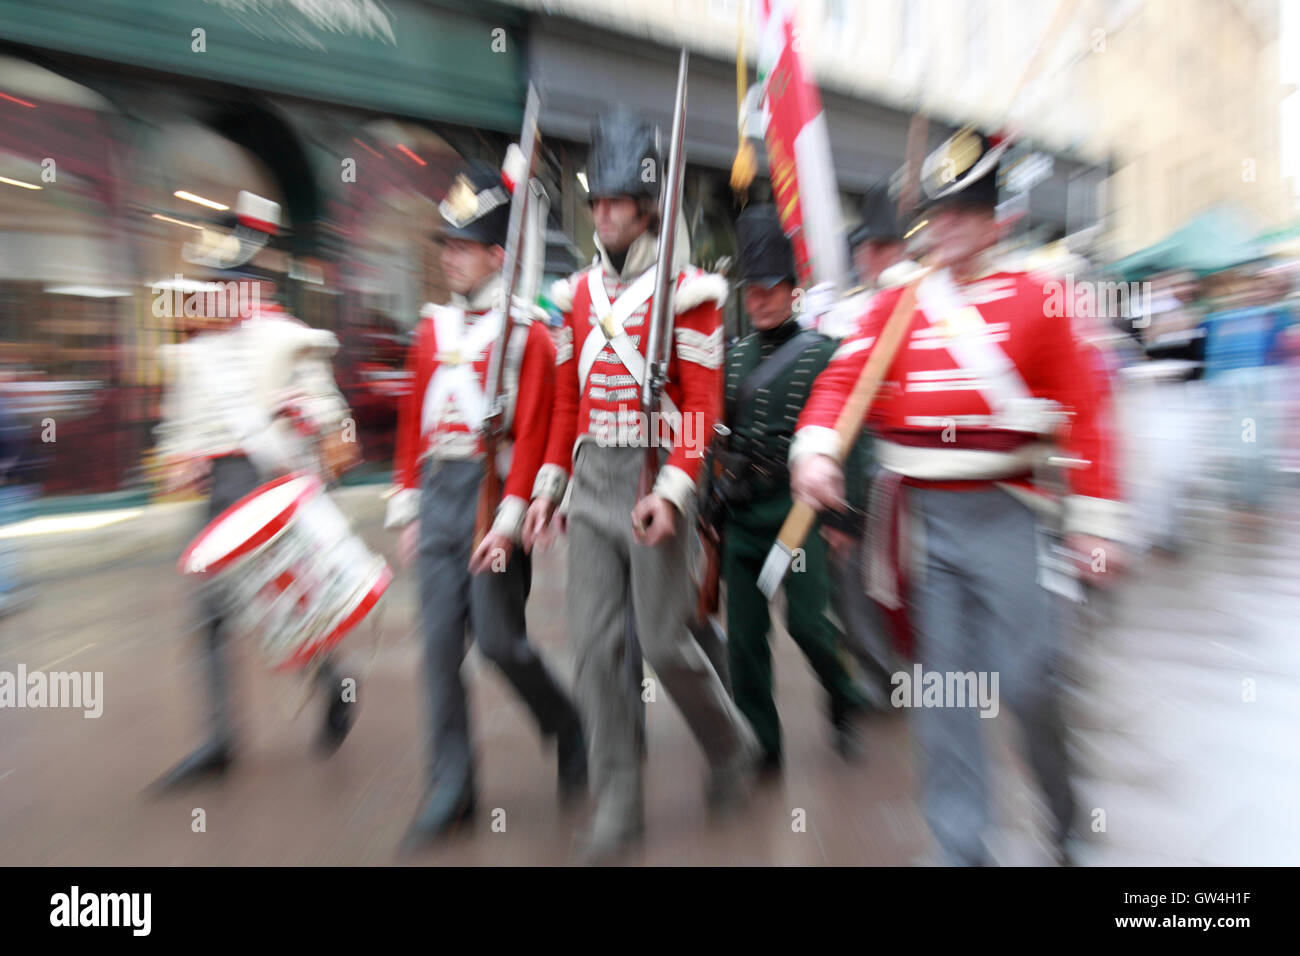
x=489 y=605
x=862 y=626
x=606 y=564
x=232 y=478
x=977 y=607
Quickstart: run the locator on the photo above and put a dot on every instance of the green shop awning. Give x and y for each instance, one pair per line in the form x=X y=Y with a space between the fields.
x=1216 y=239
x=455 y=62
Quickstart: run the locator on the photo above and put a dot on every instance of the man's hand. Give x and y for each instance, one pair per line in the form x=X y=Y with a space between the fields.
x=338 y=456
x=819 y=482
x=536 y=522
x=654 y=520
x=494 y=544
x=179 y=474
x=407 y=543
x=1099 y=560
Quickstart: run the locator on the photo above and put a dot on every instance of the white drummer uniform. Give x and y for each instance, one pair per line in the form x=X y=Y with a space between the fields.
x=233 y=399
x=229 y=390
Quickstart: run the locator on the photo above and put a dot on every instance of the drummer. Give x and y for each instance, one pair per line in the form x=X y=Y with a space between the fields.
x=252 y=397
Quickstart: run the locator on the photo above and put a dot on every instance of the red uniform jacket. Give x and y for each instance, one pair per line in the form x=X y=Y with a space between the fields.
x=946 y=416
x=440 y=416
x=606 y=406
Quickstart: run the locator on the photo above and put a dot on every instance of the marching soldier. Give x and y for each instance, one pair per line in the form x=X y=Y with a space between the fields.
x=881 y=262
x=248 y=402
x=970 y=405
x=622 y=548
x=439 y=468
x=768 y=377
x=879 y=259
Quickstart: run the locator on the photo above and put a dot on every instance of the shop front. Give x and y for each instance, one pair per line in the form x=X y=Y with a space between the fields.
x=351 y=115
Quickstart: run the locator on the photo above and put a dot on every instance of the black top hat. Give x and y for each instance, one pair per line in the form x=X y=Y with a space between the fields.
x=624 y=157
x=766 y=256
x=963 y=170
x=878 y=217
x=477 y=206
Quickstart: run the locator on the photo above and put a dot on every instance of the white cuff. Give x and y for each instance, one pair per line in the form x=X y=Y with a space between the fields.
x=676 y=486
x=510 y=517
x=815 y=440
x=1101 y=517
x=550 y=483
x=819 y=300
x=403 y=507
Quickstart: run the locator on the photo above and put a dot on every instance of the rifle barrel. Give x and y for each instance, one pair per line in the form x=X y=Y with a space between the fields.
x=660 y=342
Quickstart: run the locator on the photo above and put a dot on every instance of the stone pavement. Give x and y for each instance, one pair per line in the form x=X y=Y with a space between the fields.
x=1185 y=769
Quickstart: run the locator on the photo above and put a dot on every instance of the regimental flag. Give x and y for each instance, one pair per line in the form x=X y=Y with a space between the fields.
x=798 y=149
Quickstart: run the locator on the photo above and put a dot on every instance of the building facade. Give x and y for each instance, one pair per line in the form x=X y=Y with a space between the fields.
x=118 y=116
x=1152 y=110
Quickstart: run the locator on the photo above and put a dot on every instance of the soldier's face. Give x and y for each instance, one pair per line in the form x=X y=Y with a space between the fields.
x=619 y=220
x=872 y=257
x=768 y=308
x=958 y=234
x=465 y=264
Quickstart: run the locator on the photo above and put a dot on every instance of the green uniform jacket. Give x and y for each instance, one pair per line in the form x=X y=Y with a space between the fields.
x=762 y=431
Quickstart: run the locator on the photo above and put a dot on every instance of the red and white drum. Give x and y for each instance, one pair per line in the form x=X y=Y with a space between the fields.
x=286 y=564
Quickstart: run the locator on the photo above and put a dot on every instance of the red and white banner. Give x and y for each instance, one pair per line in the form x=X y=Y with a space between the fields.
x=799 y=149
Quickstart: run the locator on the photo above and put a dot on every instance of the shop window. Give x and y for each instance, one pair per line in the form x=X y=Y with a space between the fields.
x=65 y=295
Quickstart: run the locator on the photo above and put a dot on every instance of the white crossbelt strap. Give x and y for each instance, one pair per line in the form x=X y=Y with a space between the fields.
x=456 y=376
x=632 y=299
x=970 y=342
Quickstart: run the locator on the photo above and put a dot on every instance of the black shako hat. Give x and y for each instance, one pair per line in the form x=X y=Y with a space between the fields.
x=879 y=221
x=624 y=156
x=963 y=170
x=765 y=255
x=477 y=206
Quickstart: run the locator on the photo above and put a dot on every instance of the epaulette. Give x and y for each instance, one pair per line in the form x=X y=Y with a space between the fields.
x=561 y=292
x=698 y=287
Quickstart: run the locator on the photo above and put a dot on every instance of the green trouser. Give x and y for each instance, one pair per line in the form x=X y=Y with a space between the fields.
x=749 y=536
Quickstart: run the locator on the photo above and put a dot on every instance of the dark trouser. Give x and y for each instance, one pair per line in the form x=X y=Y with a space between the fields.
x=232 y=478
x=749 y=619
x=977 y=607
x=488 y=605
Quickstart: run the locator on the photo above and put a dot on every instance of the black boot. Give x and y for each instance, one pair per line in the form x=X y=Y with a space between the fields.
x=770 y=768
x=847 y=734
x=210 y=760
x=444 y=812
x=338 y=712
x=571 y=761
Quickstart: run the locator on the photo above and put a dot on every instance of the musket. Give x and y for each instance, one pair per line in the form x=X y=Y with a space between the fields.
x=494 y=420
x=659 y=345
